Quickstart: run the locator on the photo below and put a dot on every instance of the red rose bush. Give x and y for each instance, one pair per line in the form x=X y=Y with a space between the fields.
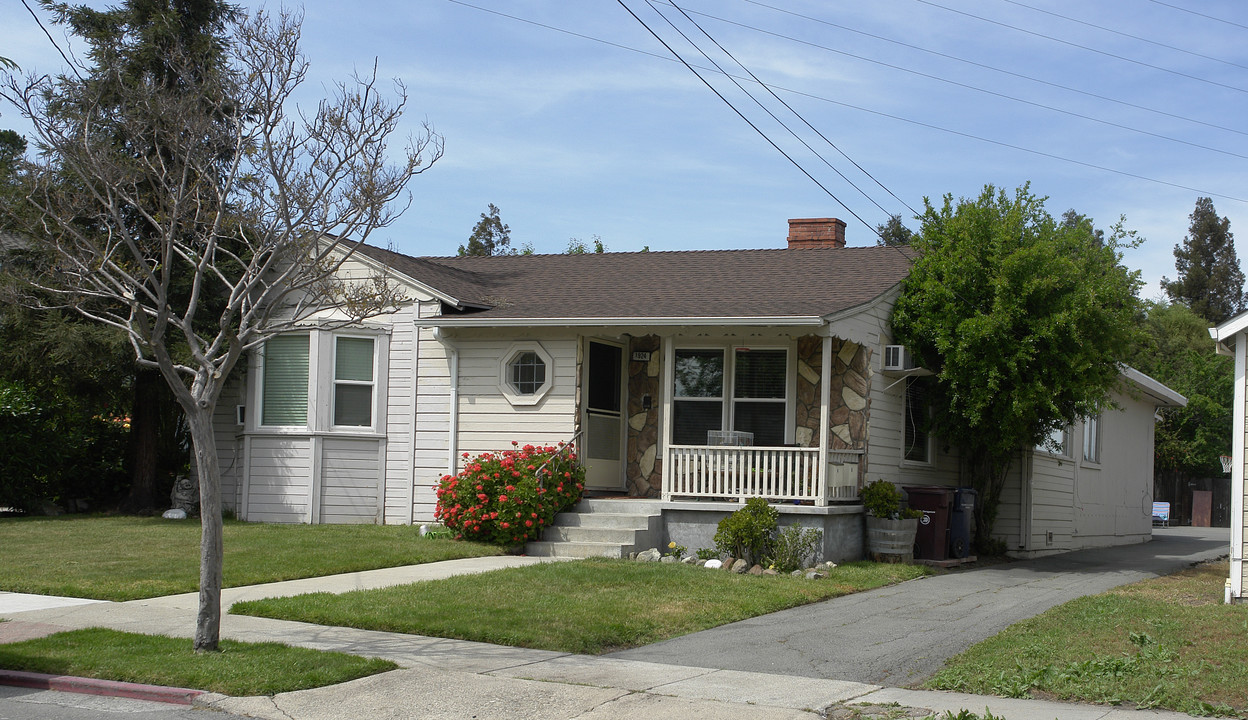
x=508 y=498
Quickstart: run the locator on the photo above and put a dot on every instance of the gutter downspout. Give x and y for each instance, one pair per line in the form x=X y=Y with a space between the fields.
x=452 y=441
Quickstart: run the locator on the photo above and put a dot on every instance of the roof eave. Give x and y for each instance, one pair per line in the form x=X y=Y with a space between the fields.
x=771 y=321
x=1161 y=395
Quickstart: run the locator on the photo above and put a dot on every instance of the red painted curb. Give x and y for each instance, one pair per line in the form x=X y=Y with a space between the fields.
x=91 y=686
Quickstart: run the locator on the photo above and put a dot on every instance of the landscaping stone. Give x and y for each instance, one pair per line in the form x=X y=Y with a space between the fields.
x=728 y=562
x=174 y=514
x=755 y=570
x=740 y=567
x=690 y=560
x=651 y=555
x=668 y=559
x=714 y=564
x=815 y=575
x=769 y=571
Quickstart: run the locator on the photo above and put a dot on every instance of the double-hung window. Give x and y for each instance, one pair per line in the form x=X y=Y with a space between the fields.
x=917 y=446
x=353 y=381
x=745 y=390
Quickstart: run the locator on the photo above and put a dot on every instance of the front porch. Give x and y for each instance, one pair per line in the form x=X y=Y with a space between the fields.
x=798 y=405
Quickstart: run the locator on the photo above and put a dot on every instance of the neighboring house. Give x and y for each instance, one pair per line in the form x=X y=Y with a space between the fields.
x=1232 y=339
x=656 y=364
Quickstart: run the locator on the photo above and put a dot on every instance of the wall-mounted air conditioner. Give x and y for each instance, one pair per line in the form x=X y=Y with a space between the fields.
x=897 y=359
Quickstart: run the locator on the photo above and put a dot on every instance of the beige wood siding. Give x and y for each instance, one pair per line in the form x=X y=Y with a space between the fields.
x=279 y=479
x=351 y=476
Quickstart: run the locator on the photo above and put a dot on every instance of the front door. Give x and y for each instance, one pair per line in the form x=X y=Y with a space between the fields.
x=604 y=417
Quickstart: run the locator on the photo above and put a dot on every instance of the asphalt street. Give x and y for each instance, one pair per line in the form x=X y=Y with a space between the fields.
x=901 y=635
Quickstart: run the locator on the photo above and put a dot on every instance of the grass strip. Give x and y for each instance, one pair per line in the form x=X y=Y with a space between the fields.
x=128 y=558
x=240 y=669
x=586 y=606
x=1163 y=643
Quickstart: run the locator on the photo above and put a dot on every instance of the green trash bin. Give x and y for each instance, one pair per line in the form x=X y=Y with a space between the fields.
x=936 y=504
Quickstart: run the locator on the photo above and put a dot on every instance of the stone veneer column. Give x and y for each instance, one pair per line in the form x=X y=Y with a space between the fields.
x=645 y=468
x=809 y=364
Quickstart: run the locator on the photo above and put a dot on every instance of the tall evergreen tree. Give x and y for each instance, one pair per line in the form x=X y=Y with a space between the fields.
x=894 y=232
x=1210 y=281
x=489 y=236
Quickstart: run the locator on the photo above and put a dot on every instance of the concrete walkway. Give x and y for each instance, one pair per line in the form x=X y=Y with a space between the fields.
x=442 y=678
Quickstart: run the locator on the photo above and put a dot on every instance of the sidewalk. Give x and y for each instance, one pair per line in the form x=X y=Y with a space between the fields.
x=442 y=678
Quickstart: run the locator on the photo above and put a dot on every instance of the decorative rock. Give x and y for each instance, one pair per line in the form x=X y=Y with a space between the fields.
x=714 y=564
x=632 y=556
x=651 y=555
x=728 y=562
x=690 y=560
x=740 y=567
x=815 y=575
x=825 y=566
x=668 y=559
x=769 y=571
x=180 y=514
x=756 y=570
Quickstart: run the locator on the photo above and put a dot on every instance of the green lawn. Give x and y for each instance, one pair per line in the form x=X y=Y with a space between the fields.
x=1166 y=643
x=587 y=606
x=126 y=558
x=241 y=669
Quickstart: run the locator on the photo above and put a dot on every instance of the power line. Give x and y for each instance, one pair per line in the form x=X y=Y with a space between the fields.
x=1193 y=12
x=992 y=68
x=769 y=112
x=1085 y=47
x=1123 y=34
x=898 y=118
x=975 y=88
x=739 y=113
x=52 y=40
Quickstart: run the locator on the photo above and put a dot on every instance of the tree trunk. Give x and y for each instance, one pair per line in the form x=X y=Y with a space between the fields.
x=144 y=439
x=211 y=547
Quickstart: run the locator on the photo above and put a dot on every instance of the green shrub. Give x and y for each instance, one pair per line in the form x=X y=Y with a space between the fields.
x=748 y=532
x=882 y=499
x=508 y=498
x=794 y=547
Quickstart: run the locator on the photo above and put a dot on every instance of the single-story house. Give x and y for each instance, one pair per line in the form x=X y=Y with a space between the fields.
x=696 y=378
x=1232 y=339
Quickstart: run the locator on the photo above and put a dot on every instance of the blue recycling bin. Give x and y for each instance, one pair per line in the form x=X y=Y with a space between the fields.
x=960 y=522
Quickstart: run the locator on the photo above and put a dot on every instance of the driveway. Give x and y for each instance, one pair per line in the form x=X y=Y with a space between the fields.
x=903 y=634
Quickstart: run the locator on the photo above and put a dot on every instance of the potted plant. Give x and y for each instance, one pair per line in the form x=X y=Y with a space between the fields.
x=890 y=529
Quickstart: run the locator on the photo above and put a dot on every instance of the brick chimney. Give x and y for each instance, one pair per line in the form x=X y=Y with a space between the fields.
x=816 y=233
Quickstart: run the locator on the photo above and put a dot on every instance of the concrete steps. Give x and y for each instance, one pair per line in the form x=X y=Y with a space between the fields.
x=602 y=528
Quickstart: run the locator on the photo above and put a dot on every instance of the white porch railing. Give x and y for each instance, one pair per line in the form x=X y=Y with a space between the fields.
x=775 y=473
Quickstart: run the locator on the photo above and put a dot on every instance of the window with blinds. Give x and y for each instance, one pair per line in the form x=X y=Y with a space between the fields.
x=758 y=404
x=285 y=385
x=353 y=381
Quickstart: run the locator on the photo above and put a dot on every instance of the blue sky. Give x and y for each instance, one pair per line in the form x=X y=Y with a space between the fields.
x=576 y=121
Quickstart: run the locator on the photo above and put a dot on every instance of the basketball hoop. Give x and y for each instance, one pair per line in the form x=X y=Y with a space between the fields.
x=1226 y=463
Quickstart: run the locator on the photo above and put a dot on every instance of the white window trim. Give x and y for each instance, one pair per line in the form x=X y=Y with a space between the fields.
x=1095 y=423
x=334 y=382
x=504 y=373
x=728 y=397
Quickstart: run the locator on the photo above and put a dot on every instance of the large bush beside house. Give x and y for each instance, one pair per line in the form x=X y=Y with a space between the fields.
x=509 y=497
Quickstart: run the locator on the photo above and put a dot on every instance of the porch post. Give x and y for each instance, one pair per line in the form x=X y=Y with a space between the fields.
x=665 y=415
x=825 y=393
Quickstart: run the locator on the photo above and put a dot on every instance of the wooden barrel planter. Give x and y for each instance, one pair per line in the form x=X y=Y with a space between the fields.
x=891 y=540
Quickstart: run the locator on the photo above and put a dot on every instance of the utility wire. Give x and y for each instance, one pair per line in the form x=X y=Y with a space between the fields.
x=796 y=113
x=1085 y=47
x=1123 y=34
x=992 y=68
x=859 y=108
x=52 y=40
x=975 y=88
x=739 y=113
x=1210 y=17
x=764 y=107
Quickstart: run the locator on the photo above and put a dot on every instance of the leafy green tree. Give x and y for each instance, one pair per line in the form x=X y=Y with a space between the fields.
x=576 y=246
x=1210 y=280
x=1023 y=321
x=1176 y=350
x=490 y=236
x=237 y=201
x=894 y=232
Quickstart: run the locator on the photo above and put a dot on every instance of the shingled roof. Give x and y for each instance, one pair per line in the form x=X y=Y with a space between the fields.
x=766 y=285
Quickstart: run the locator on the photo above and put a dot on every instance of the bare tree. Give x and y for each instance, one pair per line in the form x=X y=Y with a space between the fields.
x=230 y=223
